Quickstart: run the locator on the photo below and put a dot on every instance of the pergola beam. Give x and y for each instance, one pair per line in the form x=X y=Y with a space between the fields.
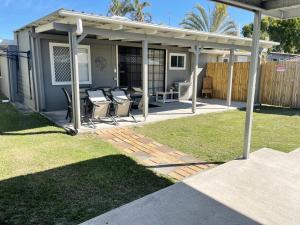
x=230 y=77
x=251 y=84
x=145 y=77
x=195 y=49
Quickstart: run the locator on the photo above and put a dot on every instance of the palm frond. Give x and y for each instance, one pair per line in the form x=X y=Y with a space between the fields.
x=216 y=21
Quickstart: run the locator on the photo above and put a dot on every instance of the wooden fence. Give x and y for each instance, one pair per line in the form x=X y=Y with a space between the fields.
x=219 y=71
x=279 y=82
x=280 y=88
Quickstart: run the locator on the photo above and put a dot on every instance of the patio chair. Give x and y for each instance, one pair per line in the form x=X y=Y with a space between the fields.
x=100 y=107
x=122 y=104
x=69 y=105
x=207 y=87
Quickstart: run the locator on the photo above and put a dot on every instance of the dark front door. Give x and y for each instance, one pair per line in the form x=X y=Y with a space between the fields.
x=130 y=67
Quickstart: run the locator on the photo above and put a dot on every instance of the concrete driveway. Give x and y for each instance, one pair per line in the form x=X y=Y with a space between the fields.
x=262 y=190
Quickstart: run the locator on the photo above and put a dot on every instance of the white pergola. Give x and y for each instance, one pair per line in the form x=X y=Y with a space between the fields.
x=282 y=9
x=80 y=25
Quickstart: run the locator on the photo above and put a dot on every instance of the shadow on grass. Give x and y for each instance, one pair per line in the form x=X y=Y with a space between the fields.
x=16 y=123
x=276 y=110
x=76 y=192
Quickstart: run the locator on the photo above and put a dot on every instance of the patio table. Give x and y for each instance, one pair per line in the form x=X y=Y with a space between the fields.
x=170 y=96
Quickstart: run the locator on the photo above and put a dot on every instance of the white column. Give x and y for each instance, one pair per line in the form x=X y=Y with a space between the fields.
x=195 y=78
x=251 y=84
x=75 y=81
x=145 y=79
x=230 y=77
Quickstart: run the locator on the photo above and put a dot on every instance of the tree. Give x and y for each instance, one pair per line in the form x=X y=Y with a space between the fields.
x=218 y=21
x=138 y=13
x=284 y=31
x=120 y=8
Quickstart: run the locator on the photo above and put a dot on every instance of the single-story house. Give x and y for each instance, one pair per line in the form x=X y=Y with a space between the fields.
x=76 y=50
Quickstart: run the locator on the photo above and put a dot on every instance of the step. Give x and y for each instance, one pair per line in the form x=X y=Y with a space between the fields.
x=280 y=160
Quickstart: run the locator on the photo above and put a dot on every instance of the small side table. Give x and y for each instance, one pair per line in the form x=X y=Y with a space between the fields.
x=170 y=96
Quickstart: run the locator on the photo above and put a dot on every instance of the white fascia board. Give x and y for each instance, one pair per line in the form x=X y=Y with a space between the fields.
x=44 y=28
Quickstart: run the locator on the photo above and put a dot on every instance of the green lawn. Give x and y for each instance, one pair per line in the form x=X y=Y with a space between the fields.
x=49 y=177
x=219 y=136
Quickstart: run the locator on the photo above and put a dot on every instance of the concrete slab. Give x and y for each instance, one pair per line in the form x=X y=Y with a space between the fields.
x=165 y=111
x=244 y=192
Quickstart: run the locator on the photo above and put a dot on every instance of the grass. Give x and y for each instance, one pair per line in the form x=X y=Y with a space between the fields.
x=219 y=136
x=49 y=177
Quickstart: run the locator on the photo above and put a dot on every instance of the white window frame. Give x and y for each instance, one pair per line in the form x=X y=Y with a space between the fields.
x=184 y=61
x=54 y=82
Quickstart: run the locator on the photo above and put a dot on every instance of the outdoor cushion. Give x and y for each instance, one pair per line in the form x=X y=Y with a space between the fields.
x=120 y=95
x=96 y=96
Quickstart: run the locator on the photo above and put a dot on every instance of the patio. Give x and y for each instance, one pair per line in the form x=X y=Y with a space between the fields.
x=157 y=112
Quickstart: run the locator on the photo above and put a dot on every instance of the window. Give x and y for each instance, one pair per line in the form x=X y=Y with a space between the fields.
x=177 y=61
x=61 y=64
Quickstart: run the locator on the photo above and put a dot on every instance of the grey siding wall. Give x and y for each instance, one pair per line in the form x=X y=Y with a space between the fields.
x=105 y=77
x=178 y=75
x=54 y=97
x=4 y=76
x=25 y=75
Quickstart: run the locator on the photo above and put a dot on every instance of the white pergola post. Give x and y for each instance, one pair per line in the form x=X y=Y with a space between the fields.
x=252 y=83
x=230 y=77
x=145 y=78
x=75 y=80
x=195 y=78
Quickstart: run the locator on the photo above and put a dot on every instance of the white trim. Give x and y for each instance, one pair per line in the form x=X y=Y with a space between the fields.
x=166 y=69
x=117 y=65
x=54 y=82
x=184 y=61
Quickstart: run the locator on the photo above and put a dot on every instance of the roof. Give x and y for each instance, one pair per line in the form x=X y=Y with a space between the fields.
x=283 y=53
x=282 y=9
x=121 y=26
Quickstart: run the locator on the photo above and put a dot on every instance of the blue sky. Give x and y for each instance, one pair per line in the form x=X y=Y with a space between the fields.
x=16 y=13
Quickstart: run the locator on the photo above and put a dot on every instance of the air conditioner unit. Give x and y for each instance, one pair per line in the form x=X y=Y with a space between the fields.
x=184 y=89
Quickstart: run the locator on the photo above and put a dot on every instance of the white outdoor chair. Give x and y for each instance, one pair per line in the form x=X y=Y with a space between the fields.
x=101 y=107
x=122 y=104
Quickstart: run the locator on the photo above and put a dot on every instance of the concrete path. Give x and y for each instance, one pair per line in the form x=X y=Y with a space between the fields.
x=160 y=158
x=262 y=190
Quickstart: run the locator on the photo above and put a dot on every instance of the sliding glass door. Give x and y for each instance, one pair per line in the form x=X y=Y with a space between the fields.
x=130 y=68
x=156 y=70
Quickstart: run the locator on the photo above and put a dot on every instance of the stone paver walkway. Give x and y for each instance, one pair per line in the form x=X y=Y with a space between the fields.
x=153 y=155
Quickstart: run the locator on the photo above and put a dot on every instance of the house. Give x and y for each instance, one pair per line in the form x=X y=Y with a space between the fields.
x=75 y=50
x=8 y=66
x=281 y=56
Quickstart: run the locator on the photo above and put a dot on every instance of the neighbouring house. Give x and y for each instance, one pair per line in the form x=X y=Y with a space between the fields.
x=8 y=69
x=281 y=56
x=111 y=53
x=294 y=59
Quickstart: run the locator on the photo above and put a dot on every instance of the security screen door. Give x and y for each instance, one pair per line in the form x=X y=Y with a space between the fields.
x=130 y=68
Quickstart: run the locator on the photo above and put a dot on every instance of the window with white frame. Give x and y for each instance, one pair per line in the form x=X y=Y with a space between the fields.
x=61 y=64
x=177 y=61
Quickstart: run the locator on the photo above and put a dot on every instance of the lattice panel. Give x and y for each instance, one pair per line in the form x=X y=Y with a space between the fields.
x=62 y=64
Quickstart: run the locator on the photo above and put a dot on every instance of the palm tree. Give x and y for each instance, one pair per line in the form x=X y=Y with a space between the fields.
x=218 y=21
x=138 y=13
x=120 y=8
